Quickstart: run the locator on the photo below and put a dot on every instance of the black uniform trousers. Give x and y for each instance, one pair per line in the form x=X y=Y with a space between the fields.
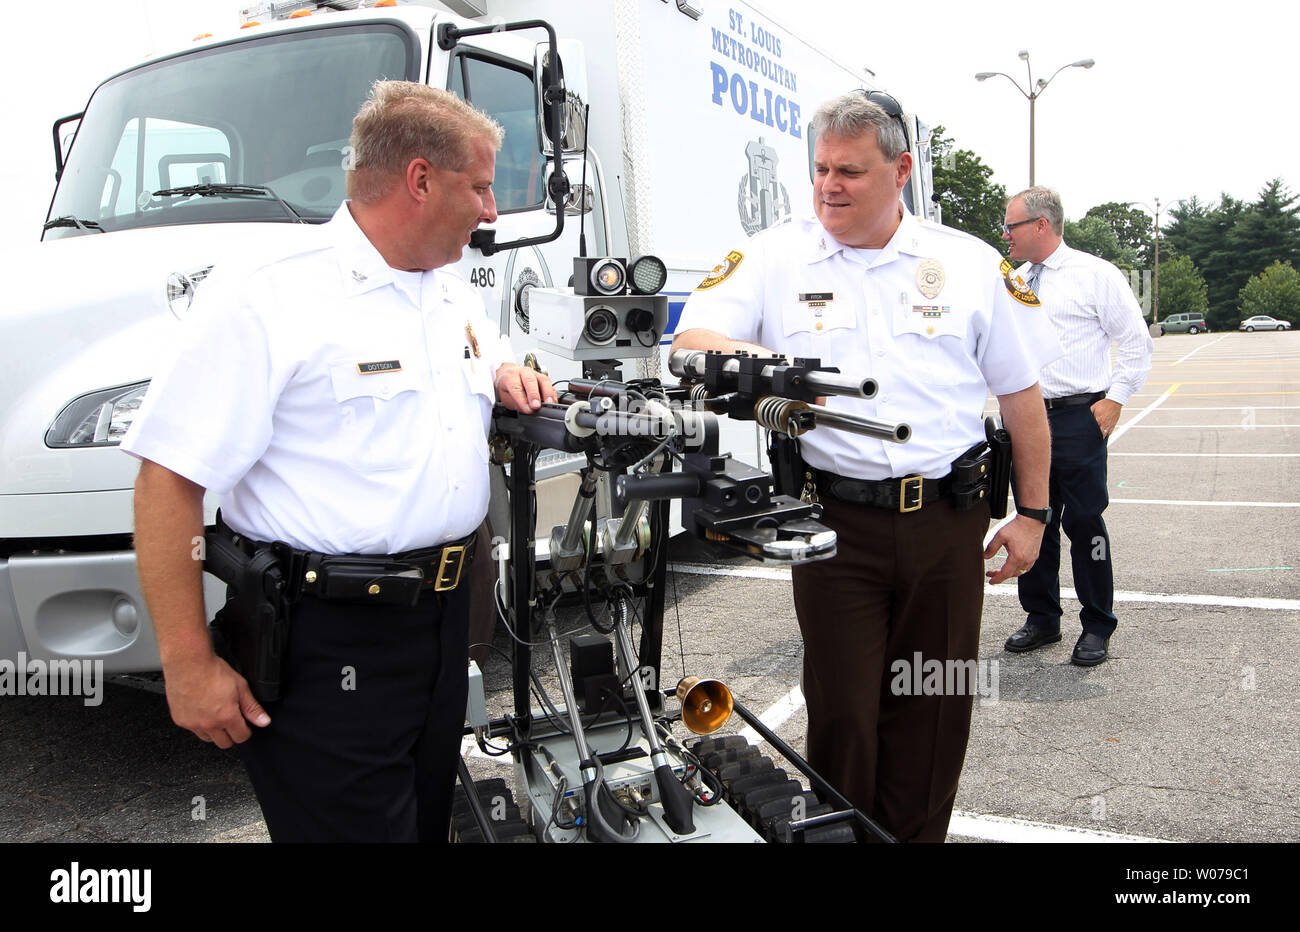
x=901 y=587
x=1078 y=496
x=363 y=744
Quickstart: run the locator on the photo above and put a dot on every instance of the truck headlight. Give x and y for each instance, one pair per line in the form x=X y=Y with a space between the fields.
x=97 y=419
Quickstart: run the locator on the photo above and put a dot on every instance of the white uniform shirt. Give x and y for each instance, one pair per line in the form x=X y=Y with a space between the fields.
x=934 y=356
x=326 y=407
x=1092 y=306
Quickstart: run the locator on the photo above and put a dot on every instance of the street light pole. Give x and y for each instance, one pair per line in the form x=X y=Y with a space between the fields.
x=1155 y=274
x=1033 y=93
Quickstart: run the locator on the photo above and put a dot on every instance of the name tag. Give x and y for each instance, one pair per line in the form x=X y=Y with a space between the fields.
x=817 y=298
x=389 y=365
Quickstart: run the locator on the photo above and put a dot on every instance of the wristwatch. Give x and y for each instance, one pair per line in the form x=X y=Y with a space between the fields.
x=1038 y=514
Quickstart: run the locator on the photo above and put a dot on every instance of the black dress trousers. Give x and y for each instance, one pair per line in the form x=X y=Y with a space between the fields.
x=1078 y=495
x=363 y=745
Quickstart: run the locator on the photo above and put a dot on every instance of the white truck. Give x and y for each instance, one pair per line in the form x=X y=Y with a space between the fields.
x=698 y=135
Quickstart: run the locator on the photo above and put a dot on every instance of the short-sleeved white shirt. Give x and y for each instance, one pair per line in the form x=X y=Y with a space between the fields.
x=325 y=407
x=935 y=353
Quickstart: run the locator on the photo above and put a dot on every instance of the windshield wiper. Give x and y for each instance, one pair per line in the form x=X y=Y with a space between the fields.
x=71 y=221
x=229 y=190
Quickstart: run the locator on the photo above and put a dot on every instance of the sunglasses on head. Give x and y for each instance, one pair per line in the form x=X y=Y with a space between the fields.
x=887 y=103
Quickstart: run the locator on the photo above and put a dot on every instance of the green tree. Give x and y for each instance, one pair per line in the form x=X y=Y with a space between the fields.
x=970 y=201
x=1133 y=229
x=1094 y=235
x=1274 y=291
x=1268 y=231
x=1182 y=290
x=1201 y=233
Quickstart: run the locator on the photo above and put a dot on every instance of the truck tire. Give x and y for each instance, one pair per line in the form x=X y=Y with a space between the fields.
x=1193 y=329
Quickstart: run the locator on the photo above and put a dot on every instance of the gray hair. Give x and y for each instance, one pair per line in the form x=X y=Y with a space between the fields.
x=1045 y=203
x=402 y=121
x=852 y=115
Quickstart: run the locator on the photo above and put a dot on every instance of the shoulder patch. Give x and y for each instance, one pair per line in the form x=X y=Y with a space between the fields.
x=722 y=271
x=1016 y=289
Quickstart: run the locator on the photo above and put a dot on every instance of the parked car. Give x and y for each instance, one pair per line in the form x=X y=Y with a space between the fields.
x=1184 y=323
x=1264 y=322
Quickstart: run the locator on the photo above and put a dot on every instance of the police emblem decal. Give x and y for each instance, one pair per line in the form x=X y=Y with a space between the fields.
x=722 y=271
x=930 y=278
x=1019 y=292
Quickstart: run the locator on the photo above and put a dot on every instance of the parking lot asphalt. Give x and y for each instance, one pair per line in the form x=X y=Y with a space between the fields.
x=1188 y=733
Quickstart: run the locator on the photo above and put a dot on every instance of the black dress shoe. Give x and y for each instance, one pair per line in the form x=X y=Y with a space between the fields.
x=1090 y=650
x=1030 y=637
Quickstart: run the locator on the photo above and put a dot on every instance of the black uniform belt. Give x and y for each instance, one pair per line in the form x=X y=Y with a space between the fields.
x=384 y=579
x=906 y=494
x=1067 y=401
x=396 y=579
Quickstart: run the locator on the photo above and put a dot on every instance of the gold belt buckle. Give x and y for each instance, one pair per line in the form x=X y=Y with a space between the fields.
x=903 y=506
x=450 y=555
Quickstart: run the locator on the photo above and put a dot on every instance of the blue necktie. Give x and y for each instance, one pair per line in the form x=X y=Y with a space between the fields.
x=1034 y=271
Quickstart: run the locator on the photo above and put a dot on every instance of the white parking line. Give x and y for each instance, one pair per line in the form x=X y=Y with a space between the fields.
x=997 y=828
x=1215 y=455
x=777 y=714
x=1213 y=601
x=1124 y=428
x=1220 y=601
x=1179 y=501
x=964 y=824
x=1198 y=349
x=1214 y=426
x=1233 y=408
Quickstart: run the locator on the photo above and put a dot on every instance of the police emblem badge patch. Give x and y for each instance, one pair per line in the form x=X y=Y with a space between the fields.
x=722 y=271
x=930 y=277
x=1017 y=290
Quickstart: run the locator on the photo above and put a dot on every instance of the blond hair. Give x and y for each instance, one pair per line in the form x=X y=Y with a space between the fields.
x=402 y=121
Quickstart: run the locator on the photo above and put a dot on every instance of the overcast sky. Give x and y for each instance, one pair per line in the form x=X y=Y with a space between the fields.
x=1186 y=98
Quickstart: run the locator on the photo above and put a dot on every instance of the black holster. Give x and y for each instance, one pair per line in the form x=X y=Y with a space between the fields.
x=970 y=477
x=251 y=631
x=999 y=441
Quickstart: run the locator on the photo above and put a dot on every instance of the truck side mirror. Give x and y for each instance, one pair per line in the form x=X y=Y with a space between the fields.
x=566 y=77
x=62 y=144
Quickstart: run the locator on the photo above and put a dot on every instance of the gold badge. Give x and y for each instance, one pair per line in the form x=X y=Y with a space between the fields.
x=722 y=271
x=930 y=277
x=1018 y=291
x=473 y=341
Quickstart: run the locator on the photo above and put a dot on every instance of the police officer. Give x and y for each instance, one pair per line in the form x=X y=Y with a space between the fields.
x=337 y=398
x=928 y=312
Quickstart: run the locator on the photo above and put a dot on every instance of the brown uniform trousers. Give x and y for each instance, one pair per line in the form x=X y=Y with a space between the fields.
x=901 y=584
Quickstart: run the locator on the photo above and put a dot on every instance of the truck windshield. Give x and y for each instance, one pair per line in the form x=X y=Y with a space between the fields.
x=274 y=112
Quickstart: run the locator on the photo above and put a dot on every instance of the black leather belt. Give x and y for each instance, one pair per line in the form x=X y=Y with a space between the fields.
x=909 y=493
x=390 y=579
x=1069 y=401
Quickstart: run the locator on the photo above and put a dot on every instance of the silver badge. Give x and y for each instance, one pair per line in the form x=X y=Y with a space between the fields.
x=930 y=277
